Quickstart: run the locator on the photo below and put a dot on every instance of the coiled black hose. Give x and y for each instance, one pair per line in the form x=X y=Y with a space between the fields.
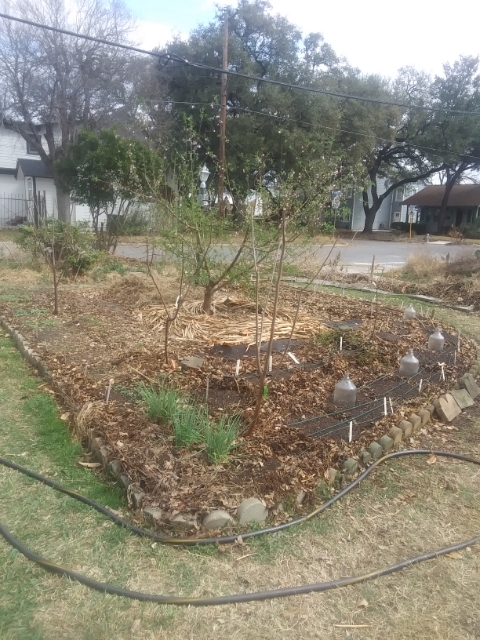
x=239 y=597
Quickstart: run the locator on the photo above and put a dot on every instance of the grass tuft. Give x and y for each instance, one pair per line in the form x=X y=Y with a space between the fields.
x=188 y=425
x=220 y=438
x=161 y=405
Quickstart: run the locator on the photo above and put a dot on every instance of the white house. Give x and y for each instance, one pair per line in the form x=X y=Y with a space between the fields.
x=26 y=184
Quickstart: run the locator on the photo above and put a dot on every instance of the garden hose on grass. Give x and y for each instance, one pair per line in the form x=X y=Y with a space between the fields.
x=239 y=597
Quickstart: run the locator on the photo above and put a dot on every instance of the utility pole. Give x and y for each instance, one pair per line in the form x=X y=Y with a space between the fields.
x=223 y=121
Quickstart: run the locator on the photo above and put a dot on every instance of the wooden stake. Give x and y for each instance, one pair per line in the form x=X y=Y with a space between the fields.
x=237 y=368
x=420 y=385
x=341 y=343
x=391 y=405
x=109 y=390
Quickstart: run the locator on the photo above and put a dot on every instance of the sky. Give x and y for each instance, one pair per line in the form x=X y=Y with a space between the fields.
x=375 y=36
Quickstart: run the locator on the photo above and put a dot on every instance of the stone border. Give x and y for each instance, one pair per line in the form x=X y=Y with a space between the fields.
x=447 y=407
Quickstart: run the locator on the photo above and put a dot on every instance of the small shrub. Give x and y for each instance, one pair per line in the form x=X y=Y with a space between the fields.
x=72 y=246
x=161 y=405
x=135 y=223
x=220 y=438
x=110 y=265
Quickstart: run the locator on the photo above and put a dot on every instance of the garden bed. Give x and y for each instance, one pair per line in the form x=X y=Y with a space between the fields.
x=114 y=331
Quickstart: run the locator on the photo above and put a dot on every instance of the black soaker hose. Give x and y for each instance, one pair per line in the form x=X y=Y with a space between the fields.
x=240 y=597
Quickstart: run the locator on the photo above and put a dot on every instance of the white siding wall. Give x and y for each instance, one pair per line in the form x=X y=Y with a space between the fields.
x=11 y=187
x=45 y=185
x=13 y=147
x=383 y=214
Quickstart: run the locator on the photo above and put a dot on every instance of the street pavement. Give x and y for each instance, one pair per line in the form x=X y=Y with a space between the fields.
x=356 y=257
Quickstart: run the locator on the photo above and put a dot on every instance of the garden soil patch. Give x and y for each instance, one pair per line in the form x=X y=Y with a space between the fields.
x=115 y=330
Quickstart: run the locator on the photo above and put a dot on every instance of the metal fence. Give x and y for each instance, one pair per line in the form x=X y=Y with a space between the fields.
x=17 y=209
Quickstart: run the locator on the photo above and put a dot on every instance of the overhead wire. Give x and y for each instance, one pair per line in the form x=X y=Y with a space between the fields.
x=287 y=120
x=217 y=70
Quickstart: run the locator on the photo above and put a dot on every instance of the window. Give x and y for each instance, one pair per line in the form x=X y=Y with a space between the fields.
x=29 y=187
x=469 y=216
x=31 y=149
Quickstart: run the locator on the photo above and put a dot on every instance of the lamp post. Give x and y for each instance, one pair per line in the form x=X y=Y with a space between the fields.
x=203 y=175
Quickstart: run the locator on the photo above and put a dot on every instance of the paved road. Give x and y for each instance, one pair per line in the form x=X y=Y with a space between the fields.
x=356 y=257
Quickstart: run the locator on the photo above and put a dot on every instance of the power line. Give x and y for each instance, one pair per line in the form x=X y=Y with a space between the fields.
x=287 y=120
x=238 y=74
x=325 y=92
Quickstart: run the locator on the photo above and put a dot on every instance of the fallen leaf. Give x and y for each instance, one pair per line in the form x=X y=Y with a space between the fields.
x=64 y=416
x=454 y=555
x=135 y=626
x=362 y=603
x=90 y=465
x=432 y=459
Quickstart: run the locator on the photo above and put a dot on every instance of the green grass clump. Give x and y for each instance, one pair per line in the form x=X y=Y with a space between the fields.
x=189 y=425
x=161 y=405
x=220 y=438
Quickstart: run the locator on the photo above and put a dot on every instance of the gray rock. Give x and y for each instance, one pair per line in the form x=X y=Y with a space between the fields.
x=217 y=519
x=407 y=428
x=331 y=476
x=300 y=497
x=446 y=407
x=431 y=408
x=192 y=362
x=467 y=382
x=365 y=457
x=123 y=481
x=114 y=468
x=462 y=398
x=152 y=515
x=416 y=421
x=137 y=499
x=425 y=416
x=349 y=467
x=376 y=450
x=396 y=434
x=251 y=510
x=386 y=443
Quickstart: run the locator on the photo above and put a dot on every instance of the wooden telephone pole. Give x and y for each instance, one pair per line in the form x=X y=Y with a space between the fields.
x=223 y=121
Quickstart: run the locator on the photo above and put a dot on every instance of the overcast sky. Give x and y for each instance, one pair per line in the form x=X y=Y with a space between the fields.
x=376 y=36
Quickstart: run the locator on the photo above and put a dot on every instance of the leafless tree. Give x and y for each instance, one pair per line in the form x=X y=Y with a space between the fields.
x=53 y=83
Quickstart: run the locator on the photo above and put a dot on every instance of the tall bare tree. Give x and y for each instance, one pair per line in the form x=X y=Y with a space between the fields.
x=51 y=83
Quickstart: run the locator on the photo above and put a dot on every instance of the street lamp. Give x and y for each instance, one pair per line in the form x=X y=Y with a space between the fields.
x=203 y=175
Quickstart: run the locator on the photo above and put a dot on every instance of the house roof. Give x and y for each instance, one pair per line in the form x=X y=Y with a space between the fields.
x=462 y=195
x=7 y=171
x=33 y=168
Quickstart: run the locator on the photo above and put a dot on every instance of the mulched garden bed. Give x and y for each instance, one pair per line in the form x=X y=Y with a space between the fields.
x=114 y=330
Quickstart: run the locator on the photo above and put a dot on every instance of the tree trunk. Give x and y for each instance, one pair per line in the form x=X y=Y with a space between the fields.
x=207 y=299
x=63 y=206
x=443 y=207
x=370 y=213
